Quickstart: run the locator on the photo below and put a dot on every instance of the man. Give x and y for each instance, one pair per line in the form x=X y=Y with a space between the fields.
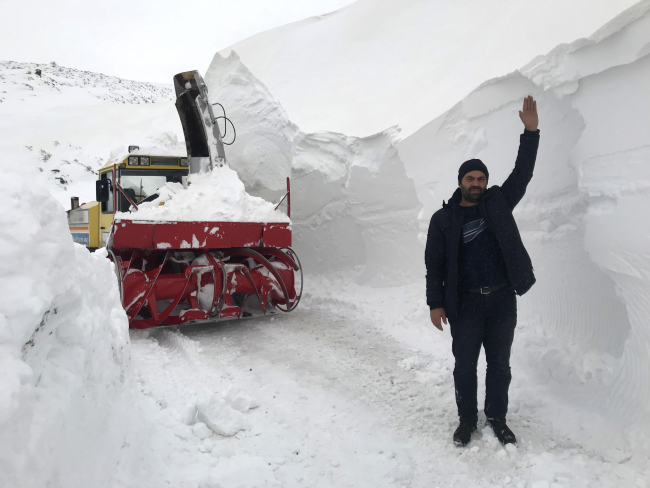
x=476 y=263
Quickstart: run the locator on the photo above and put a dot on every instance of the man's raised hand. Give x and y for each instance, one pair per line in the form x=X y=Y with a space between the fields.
x=528 y=114
x=438 y=317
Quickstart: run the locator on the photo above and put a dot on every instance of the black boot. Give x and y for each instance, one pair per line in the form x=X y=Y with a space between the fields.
x=501 y=430
x=463 y=433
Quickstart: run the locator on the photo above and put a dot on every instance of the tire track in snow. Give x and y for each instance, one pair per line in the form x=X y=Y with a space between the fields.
x=331 y=353
x=346 y=358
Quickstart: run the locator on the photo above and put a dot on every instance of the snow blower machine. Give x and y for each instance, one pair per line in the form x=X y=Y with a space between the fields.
x=179 y=272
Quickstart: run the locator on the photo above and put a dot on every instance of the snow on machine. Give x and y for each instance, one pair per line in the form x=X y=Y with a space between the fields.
x=178 y=271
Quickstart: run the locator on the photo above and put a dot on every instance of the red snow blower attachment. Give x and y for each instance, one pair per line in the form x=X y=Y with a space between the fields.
x=173 y=273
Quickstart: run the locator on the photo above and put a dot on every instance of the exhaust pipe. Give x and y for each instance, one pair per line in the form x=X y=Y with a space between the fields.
x=74 y=203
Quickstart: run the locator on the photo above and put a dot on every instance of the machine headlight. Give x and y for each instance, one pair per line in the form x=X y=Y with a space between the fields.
x=133 y=160
x=185 y=162
x=144 y=161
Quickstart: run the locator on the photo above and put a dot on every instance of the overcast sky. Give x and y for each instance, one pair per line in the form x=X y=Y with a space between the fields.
x=147 y=40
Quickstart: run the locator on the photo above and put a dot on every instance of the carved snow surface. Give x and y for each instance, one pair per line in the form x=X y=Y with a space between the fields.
x=64 y=349
x=263 y=150
x=377 y=63
x=352 y=204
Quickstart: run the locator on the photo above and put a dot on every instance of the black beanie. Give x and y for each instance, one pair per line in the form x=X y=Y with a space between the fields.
x=472 y=165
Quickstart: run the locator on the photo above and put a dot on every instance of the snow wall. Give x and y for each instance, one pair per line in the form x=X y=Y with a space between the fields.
x=352 y=205
x=378 y=63
x=64 y=348
x=584 y=218
x=263 y=150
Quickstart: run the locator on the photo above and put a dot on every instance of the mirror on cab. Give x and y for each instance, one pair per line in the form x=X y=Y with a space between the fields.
x=102 y=189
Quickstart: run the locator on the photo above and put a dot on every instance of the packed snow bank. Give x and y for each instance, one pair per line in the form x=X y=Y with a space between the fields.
x=584 y=217
x=216 y=196
x=352 y=204
x=64 y=349
x=377 y=63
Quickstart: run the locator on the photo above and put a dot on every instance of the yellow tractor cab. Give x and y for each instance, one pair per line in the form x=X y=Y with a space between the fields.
x=139 y=174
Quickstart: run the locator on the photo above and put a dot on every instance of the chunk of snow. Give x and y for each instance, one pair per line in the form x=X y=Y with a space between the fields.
x=201 y=430
x=263 y=152
x=239 y=399
x=217 y=414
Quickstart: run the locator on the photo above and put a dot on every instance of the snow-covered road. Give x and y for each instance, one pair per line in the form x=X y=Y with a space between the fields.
x=342 y=404
x=355 y=388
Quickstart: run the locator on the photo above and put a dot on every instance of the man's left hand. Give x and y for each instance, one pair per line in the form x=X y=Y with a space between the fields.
x=528 y=114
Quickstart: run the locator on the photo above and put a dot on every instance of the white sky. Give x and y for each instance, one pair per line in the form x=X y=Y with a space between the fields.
x=147 y=40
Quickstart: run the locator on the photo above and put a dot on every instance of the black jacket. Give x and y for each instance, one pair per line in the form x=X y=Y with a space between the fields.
x=496 y=205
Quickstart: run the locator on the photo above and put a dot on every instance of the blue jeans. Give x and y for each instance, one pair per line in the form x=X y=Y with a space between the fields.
x=487 y=320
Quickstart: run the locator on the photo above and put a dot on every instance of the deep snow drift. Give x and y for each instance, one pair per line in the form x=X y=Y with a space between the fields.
x=354 y=206
x=66 y=393
x=378 y=63
x=64 y=349
x=584 y=217
x=352 y=203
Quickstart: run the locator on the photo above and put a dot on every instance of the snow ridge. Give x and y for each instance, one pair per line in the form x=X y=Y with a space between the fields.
x=377 y=63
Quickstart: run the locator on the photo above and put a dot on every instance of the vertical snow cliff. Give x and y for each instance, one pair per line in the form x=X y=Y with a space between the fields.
x=352 y=204
x=64 y=349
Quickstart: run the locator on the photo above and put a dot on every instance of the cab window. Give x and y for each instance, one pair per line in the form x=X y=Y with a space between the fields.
x=140 y=184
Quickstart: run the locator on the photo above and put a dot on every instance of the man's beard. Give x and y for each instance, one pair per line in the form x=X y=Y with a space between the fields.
x=472 y=197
